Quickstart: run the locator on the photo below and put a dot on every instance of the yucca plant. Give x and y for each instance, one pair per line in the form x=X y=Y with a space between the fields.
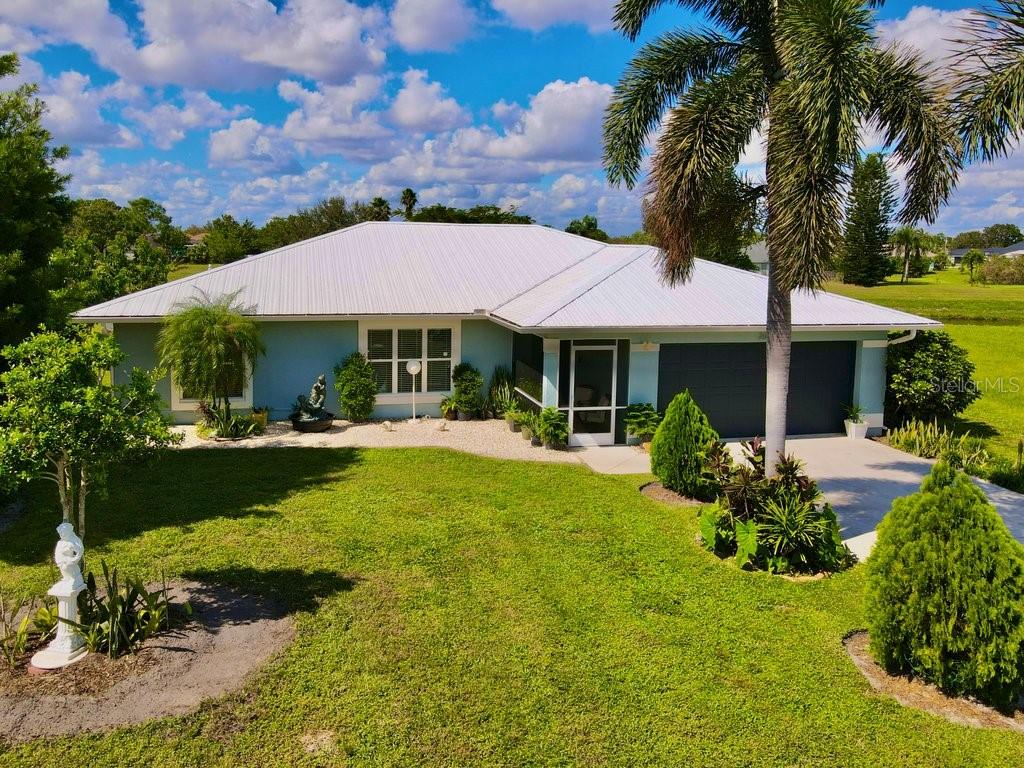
x=817 y=71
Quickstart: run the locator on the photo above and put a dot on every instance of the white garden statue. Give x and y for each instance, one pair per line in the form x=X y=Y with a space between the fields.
x=68 y=646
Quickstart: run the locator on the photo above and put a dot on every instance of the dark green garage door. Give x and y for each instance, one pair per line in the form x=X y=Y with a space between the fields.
x=728 y=382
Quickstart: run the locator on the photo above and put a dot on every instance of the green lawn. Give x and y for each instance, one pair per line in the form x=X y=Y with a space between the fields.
x=947 y=296
x=187 y=270
x=988 y=320
x=455 y=610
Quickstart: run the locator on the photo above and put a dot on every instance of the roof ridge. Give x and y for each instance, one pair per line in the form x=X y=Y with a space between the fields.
x=614 y=269
x=553 y=275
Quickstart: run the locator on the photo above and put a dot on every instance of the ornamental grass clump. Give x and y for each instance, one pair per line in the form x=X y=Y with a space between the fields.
x=681 y=448
x=945 y=592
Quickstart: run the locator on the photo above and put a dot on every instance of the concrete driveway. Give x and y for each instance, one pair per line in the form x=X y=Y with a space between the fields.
x=859 y=477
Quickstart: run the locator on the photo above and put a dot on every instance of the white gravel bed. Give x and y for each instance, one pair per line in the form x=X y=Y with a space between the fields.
x=485 y=438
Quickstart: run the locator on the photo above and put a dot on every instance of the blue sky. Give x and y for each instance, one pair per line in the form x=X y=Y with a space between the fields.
x=256 y=108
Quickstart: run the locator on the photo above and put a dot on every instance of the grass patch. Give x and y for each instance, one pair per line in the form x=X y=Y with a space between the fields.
x=187 y=270
x=459 y=610
x=947 y=296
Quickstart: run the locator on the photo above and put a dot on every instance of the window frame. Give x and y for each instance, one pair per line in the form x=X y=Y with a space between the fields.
x=180 y=403
x=424 y=325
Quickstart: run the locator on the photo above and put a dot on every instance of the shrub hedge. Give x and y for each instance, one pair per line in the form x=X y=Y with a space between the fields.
x=945 y=591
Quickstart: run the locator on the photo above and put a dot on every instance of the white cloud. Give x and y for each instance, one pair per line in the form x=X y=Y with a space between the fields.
x=538 y=14
x=229 y=45
x=332 y=119
x=422 y=106
x=254 y=146
x=506 y=113
x=168 y=123
x=431 y=25
x=929 y=30
x=74 y=111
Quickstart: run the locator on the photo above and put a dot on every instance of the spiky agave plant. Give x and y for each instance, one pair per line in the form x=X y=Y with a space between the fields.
x=807 y=74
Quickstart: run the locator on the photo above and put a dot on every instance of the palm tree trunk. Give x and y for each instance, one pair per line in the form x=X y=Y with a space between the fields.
x=906 y=264
x=779 y=327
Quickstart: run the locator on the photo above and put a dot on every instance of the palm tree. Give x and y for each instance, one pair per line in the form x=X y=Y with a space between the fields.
x=408 y=202
x=909 y=243
x=379 y=209
x=210 y=346
x=809 y=76
x=990 y=96
x=973 y=259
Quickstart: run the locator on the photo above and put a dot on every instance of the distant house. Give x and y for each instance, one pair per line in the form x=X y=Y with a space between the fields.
x=1016 y=249
x=586 y=327
x=758 y=254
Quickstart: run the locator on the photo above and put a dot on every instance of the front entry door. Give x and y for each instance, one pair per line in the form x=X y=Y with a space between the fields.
x=592 y=407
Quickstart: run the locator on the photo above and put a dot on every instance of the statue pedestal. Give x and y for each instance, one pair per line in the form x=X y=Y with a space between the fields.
x=68 y=646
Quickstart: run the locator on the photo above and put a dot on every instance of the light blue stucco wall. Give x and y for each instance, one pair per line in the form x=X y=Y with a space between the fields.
x=869 y=384
x=298 y=352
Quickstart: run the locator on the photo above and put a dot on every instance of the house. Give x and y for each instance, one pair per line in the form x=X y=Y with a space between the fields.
x=585 y=326
x=758 y=255
x=1015 y=249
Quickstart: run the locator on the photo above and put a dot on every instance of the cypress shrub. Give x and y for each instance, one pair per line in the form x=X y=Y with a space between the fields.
x=945 y=591
x=357 y=387
x=681 y=447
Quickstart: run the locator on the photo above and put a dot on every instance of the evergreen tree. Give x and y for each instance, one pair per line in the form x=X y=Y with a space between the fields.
x=33 y=207
x=869 y=209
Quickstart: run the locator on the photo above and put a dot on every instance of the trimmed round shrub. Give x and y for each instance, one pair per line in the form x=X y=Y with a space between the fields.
x=928 y=378
x=356 y=386
x=681 y=447
x=945 y=591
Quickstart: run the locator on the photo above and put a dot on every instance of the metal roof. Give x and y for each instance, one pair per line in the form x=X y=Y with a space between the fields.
x=522 y=275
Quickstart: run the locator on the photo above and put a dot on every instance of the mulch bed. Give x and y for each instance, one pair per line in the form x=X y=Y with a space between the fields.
x=911 y=692
x=230 y=636
x=658 y=492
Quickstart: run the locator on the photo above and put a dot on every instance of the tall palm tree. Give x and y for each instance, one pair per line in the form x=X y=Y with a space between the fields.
x=807 y=74
x=990 y=94
x=408 y=201
x=909 y=243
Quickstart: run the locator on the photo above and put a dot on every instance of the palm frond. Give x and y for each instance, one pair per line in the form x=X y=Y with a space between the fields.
x=704 y=134
x=990 y=81
x=826 y=50
x=805 y=203
x=630 y=15
x=659 y=73
x=914 y=111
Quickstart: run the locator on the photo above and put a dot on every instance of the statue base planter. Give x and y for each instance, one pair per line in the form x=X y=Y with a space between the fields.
x=319 y=425
x=308 y=414
x=67 y=646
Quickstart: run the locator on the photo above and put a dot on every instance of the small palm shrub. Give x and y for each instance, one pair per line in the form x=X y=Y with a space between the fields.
x=681 y=447
x=356 y=386
x=945 y=591
x=553 y=427
x=642 y=420
x=501 y=395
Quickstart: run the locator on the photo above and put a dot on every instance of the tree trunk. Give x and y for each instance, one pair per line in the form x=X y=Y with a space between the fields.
x=63 y=488
x=779 y=341
x=906 y=265
x=83 y=489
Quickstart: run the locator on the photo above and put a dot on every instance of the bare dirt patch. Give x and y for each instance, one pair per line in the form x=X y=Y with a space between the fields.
x=658 y=492
x=915 y=693
x=230 y=637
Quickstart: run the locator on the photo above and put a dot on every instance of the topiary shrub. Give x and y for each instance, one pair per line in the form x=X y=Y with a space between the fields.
x=945 y=591
x=681 y=447
x=467 y=383
x=928 y=378
x=356 y=387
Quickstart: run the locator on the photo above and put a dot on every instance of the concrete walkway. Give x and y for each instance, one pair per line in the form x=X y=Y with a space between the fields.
x=860 y=478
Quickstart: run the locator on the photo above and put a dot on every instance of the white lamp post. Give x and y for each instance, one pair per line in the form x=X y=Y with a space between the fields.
x=413 y=367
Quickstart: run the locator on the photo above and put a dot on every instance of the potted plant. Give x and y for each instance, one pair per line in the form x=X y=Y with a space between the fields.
x=553 y=428
x=260 y=416
x=467 y=383
x=512 y=418
x=526 y=426
x=855 y=423
x=448 y=407
x=642 y=420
